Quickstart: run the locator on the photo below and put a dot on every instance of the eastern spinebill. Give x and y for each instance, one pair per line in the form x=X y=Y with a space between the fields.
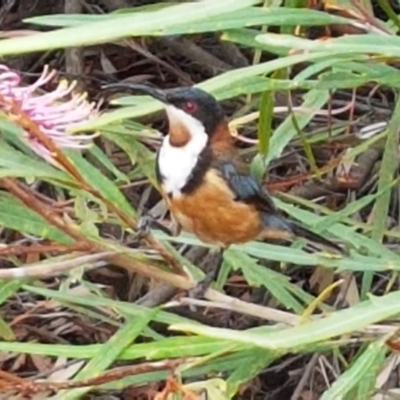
x=208 y=189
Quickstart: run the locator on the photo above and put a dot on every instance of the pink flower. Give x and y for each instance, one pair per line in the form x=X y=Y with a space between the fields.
x=55 y=113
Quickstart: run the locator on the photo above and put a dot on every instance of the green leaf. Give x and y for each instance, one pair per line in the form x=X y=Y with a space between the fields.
x=125 y=308
x=363 y=369
x=255 y=16
x=82 y=19
x=140 y=156
x=178 y=346
x=313 y=101
x=219 y=366
x=338 y=323
x=386 y=180
x=351 y=208
x=8 y=289
x=145 y=108
x=6 y=332
x=14 y=163
x=386 y=45
x=249 y=370
x=388 y=167
x=341 y=80
x=387 y=8
x=265 y=121
x=109 y=352
x=106 y=162
x=341 y=231
x=101 y=183
x=247 y=37
x=121 y=26
x=15 y=215
x=349 y=73
x=278 y=285
x=245 y=17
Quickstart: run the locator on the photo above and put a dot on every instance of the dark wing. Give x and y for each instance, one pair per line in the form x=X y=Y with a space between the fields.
x=248 y=189
x=245 y=186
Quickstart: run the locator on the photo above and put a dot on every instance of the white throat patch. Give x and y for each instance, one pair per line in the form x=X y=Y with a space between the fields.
x=176 y=164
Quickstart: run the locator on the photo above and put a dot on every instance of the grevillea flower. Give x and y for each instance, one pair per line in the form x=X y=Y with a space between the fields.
x=55 y=113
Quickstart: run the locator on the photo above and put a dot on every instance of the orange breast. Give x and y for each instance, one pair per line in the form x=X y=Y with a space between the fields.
x=212 y=214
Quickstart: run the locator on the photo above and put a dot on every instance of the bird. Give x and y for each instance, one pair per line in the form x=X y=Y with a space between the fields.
x=205 y=184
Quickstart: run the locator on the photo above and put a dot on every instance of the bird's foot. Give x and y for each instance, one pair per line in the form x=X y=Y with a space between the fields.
x=144 y=226
x=201 y=287
x=147 y=222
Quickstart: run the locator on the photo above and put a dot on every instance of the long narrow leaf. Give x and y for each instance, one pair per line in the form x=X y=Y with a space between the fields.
x=365 y=365
x=109 y=352
x=17 y=216
x=338 y=323
x=387 y=170
x=120 y=27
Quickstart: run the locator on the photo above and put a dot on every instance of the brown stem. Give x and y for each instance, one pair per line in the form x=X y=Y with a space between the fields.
x=46 y=212
x=122 y=260
x=30 y=386
x=33 y=128
x=20 y=249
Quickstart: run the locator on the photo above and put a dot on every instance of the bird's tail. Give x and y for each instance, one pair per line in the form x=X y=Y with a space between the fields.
x=315 y=240
x=281 y=227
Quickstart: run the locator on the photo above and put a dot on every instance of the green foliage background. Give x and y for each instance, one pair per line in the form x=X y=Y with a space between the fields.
x=340 y=63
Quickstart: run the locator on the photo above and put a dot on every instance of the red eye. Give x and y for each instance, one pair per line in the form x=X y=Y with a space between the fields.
x=190 y=106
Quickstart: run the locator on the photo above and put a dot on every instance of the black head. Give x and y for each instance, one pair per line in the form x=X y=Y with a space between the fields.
x=193 y=101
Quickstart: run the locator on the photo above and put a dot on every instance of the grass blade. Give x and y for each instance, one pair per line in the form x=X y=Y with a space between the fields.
x=388 y=167
x=338 y=323
x=120 y=27
x=15 y=215
x=363 y=369
x=109 y=352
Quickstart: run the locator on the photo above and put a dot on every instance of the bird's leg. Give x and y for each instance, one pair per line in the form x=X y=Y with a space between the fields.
x=176 y=228
x=199 y=290
x=146 y=223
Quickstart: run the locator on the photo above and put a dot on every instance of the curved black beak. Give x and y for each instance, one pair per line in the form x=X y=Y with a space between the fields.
x=139 y=89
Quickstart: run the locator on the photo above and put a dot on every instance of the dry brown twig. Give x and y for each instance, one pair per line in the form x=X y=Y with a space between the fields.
x=53 y=268
x=123 y=260
x=11 y=382
x=20 y=249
